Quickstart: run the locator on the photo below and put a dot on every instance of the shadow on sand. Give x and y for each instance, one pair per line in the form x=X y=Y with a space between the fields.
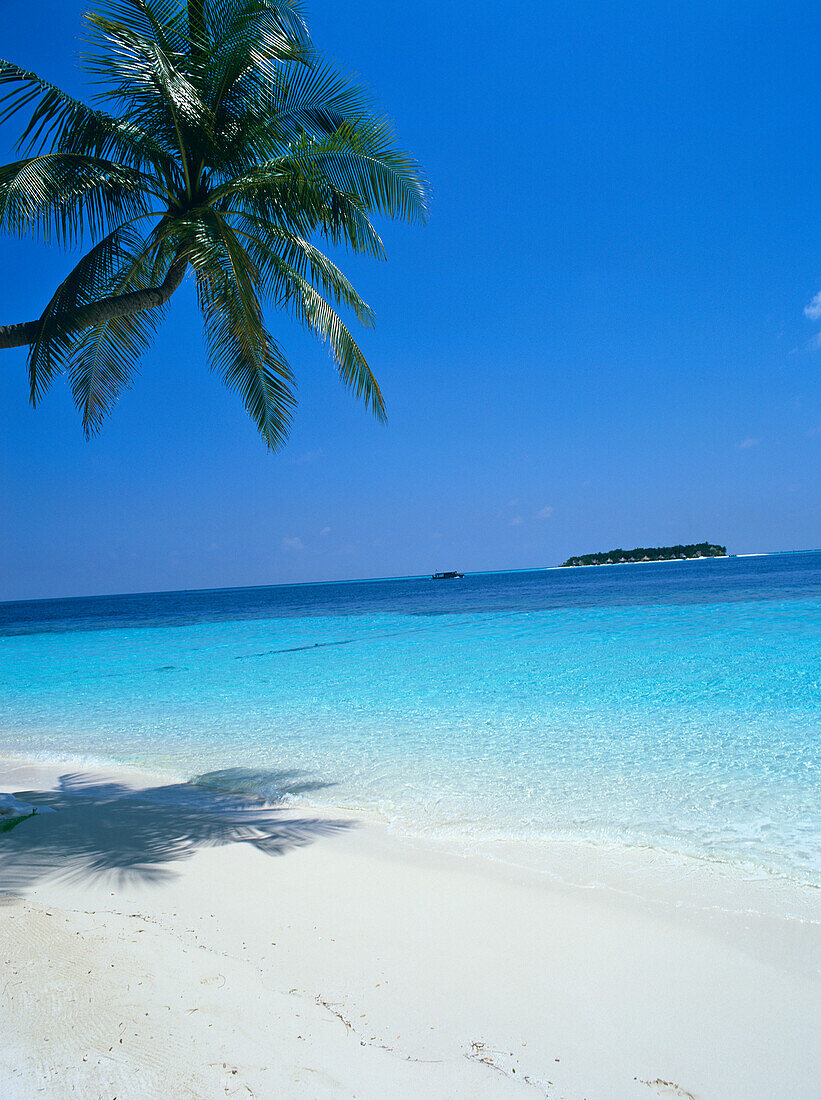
x=112 y=830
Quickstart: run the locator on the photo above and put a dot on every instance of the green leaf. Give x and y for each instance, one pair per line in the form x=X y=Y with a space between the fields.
x=103 y=361
x=65 y=195
x=240 y=348
x=97 y=275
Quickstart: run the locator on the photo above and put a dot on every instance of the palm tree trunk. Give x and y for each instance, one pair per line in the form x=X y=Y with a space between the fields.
x=97 y=313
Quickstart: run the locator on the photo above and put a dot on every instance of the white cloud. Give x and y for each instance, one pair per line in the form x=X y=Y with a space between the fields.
x=513 y=503
x=293 y=544
x=748 y=442
x=813 y=344
x=325 y=531
x=545 y=513
x=813 y=310
x=516 y=521
x=308 y=456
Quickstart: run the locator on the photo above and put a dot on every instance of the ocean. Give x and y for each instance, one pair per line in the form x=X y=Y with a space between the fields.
x=671 y=707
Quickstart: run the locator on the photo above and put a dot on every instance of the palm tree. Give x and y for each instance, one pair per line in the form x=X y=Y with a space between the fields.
x=219 y=141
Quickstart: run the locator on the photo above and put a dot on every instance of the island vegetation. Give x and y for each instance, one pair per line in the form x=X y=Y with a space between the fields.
x=650 y=553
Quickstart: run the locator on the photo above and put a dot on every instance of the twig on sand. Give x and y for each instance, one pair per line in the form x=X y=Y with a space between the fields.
x=668 y=1087
x=479 y=1052
x=335 y=1012
x=372 y=1041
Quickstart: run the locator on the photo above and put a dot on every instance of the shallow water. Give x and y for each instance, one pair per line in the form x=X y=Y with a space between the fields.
x=671 y=706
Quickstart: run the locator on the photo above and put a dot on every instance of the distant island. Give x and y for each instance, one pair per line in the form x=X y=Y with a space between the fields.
x=651 y=553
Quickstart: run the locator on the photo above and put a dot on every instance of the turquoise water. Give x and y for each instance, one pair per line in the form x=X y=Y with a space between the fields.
x=674 y=706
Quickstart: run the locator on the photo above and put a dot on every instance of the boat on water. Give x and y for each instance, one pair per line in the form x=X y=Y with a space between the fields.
x=452 y=575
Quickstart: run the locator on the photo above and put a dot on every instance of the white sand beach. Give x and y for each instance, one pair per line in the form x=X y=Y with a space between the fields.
x=167 y=946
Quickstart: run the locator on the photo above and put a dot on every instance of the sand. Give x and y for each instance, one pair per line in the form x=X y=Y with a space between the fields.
x=182 y=944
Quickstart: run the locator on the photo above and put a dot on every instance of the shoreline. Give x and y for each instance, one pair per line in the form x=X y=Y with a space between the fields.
x=667 y=561
x=554 y=855
x=368 y=964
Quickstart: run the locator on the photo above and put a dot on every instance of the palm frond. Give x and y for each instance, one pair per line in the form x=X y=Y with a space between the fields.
x=241 y=350
x=281 y=195
x=312 y=310
x=62 y=123
x=248 y=360
x=360 y=160
x=265 y=238
x=214 y=247
x=243 y=54
x=146 y=77
x=248 y=35
x=278 y=262
x=165 y=22
x=104 y=359
x=313 y=99
x=64 y=195
x=92 y=278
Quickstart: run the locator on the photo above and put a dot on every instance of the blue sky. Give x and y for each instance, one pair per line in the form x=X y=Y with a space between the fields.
x=598 y=340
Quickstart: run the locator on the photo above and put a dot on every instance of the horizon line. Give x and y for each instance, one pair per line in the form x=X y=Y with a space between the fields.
x=373 y=580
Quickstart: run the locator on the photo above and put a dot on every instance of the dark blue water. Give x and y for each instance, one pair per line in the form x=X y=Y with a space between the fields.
x=762 y=577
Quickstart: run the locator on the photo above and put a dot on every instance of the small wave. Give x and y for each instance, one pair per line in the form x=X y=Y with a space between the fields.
x=87 y=761
x=269 y=785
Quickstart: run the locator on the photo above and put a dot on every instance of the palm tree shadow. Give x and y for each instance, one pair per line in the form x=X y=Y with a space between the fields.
x=110 y=830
